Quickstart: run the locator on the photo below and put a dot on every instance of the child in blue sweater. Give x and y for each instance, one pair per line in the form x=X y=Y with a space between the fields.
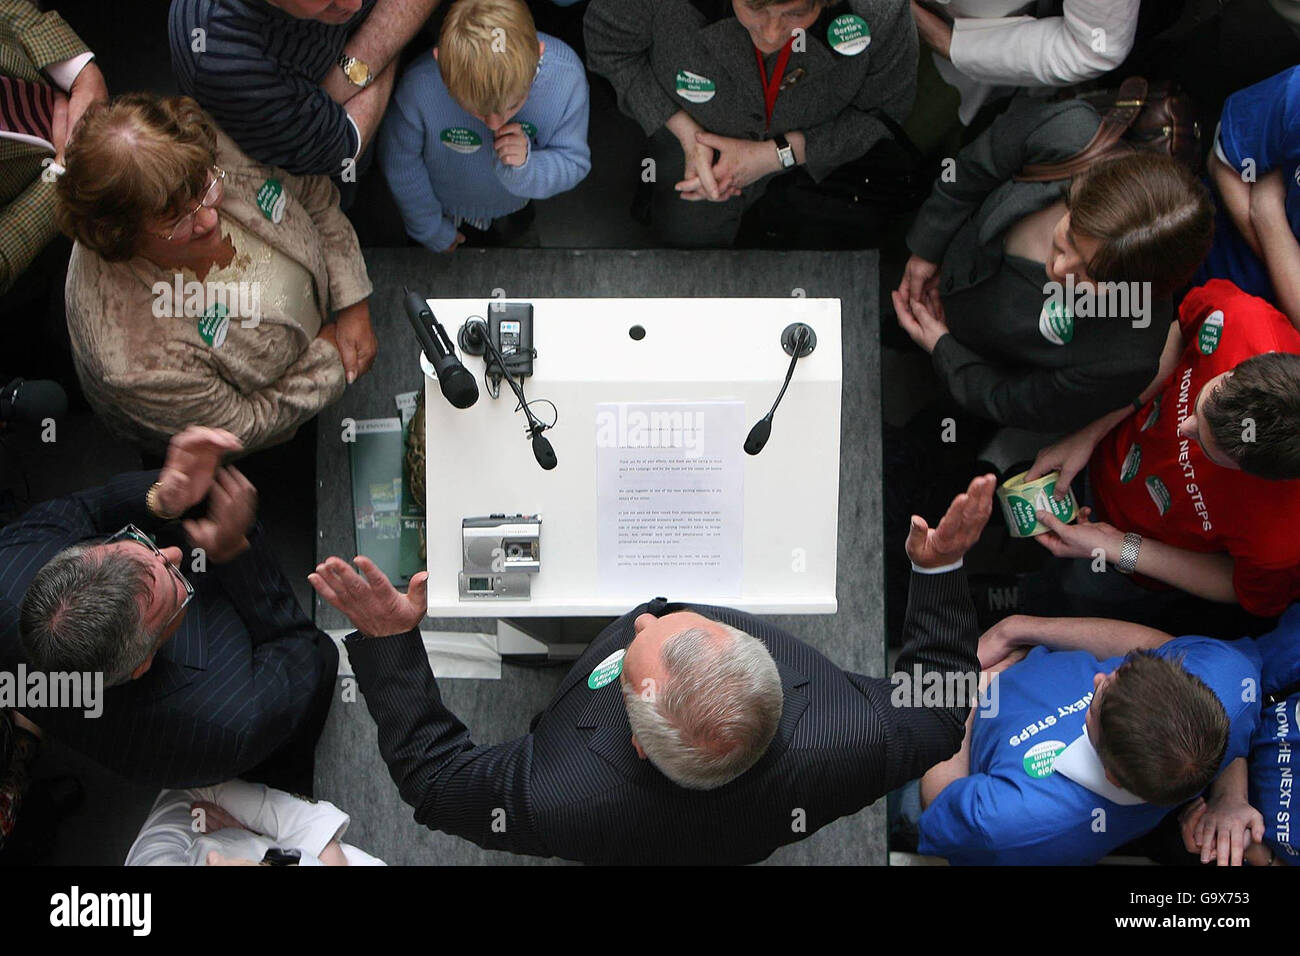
x=495 y=117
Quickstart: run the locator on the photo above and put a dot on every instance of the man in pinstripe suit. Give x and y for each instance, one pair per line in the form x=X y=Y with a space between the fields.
x=212 y=673
x=684 y=734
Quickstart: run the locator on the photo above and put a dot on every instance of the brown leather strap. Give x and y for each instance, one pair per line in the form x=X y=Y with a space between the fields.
x=1128 y=104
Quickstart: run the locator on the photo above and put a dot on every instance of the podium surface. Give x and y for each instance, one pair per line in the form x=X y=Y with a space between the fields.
x=595 y=351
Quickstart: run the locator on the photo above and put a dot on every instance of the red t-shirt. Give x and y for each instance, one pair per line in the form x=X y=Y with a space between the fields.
x=1145 y=478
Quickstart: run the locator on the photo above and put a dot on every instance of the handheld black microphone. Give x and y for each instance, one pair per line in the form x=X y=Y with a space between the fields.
x=31 y=402
x=474 y=338
x=455 y=380
x=798 y=339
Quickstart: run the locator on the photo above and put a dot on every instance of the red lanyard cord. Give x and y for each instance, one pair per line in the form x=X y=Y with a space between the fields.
x=771 y=89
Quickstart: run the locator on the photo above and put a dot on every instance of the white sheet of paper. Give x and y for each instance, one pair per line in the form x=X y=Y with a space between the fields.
x=670 y=498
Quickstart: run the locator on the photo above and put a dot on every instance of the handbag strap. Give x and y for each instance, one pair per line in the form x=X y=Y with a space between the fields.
x=1132 y=96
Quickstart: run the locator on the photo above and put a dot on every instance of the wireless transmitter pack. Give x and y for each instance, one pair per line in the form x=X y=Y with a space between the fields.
x=510 y=326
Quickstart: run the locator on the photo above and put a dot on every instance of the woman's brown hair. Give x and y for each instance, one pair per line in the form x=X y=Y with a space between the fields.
x=135 y=160
x=1153 y=218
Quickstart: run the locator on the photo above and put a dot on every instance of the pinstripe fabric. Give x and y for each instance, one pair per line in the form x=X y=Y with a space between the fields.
x=259 y=77
x=29 y=41
x=223 y=694
x=575 y=788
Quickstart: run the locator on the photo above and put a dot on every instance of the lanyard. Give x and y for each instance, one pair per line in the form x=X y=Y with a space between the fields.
x=771 y=89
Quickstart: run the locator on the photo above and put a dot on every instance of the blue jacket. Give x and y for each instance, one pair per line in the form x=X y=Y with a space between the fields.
x=1014 y=808
x=440 y=162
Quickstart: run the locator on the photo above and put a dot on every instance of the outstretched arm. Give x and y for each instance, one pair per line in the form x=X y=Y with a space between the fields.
x=475 y=792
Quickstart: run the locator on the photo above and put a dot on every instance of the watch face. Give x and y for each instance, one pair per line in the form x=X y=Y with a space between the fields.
x=357 y=72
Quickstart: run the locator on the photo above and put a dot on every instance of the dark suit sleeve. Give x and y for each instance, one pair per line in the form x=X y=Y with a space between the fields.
x=95 y=511
x=475 y=792
x=889 y=86
x=1026 y=133
x=941 y=637
x=619 y=35
x=261 y=594
x=1039 y=399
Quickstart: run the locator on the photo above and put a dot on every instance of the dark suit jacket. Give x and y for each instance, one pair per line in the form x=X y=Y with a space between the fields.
x=575 y=787
x=223 y=694
x=995 y=362
x=641 y=46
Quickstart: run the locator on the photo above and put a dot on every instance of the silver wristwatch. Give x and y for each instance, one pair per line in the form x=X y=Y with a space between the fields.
x=1128 y=553
x=784 y=151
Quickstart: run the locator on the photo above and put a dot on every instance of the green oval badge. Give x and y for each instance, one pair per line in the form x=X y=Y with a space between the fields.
x=1040 y=759
x=1132 y=462
x=1159 y=494
x=271 y=200
x=695 y=88
x=1056 y=323
x=529 y=129
x=460 y=139
x=214 y=324
x=1153 y=415
x=607 y=670
x=1211 y=332
x=848 y=34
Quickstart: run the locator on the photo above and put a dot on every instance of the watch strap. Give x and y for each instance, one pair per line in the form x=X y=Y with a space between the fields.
x=1128 y=553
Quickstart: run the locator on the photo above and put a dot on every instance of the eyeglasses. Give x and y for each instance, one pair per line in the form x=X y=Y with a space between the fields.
x=132 y=533
x=184 y=227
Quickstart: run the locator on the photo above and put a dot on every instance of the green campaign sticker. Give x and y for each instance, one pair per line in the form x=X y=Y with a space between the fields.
x=1040 y=759
x=607 y=670
x=271 y=200
x=1132 y=462
x=214 y=324
x=848 y=34
x=1159 y=494
x=460 y=139
x=1152 y=415
x=529 y=129
x=695 y=88
x=1211 y=331
x=1056 y=323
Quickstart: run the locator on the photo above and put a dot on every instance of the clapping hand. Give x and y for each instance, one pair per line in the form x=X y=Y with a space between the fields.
x=232 y=509
x=193 y=457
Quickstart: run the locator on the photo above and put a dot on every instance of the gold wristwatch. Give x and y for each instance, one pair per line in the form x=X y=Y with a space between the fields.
x=357 y=72
x=151 y=502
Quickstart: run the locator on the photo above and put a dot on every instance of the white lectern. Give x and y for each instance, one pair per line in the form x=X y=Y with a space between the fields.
x=480 y=462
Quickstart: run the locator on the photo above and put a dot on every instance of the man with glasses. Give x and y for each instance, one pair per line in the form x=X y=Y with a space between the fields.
x=213 y=671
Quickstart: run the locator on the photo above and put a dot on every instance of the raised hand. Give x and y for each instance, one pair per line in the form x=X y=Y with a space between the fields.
x=958 y=529
x=370 y=602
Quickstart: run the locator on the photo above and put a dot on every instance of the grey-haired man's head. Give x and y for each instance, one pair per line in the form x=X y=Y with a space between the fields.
x=703 y=698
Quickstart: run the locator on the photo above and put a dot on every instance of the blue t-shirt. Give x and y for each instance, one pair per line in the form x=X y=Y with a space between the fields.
x=1014 y=809
x=1277 y=741
x=1262 y=124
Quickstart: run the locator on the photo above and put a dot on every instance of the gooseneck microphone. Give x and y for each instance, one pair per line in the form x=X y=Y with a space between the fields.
x=474 y=337
x=798 y=339
x=455 y=380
